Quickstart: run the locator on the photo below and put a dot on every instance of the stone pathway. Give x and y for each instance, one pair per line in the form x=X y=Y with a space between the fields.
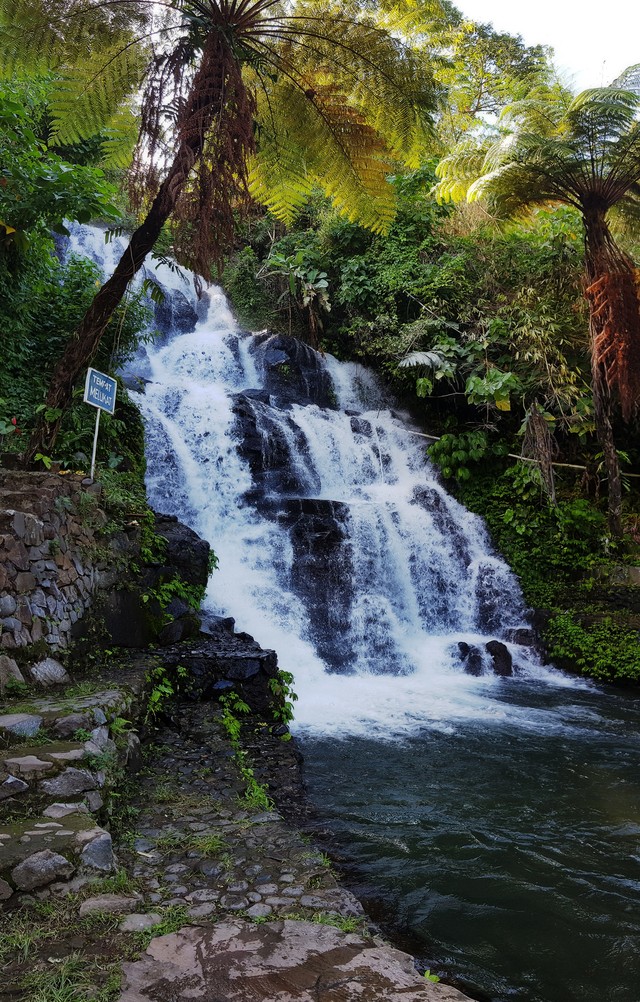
x=268 y=917
x=221 y=887
x=200 y=844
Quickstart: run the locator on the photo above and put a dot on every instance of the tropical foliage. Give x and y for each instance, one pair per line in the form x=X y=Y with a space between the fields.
x=335 y=93
x=38 y=189
x=586 y=155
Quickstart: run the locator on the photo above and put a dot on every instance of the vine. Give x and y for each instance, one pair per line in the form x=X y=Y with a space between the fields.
x=233 y=707
x=284 y=697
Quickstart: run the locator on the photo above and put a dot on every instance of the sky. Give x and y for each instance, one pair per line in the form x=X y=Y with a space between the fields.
x=593 y=43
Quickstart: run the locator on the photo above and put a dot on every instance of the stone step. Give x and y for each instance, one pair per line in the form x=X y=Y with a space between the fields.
x=37 y=851
x=62 y=717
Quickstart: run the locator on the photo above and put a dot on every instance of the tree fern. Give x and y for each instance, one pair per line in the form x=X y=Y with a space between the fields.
x=321 y=142
x=588 y=157
x=89 y=97
x=95 y=56
x=330 y=96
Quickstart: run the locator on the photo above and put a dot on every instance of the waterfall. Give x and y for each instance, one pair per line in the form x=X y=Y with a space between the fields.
x=338 y=545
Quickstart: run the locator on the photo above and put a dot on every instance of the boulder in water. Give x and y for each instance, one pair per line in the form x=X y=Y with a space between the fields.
x=175 y=314
x=525 y=636
x=502 y=660
x=294 y=372
x=471 y=658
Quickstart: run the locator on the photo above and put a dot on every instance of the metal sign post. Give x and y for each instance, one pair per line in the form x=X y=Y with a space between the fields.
x=100 y=392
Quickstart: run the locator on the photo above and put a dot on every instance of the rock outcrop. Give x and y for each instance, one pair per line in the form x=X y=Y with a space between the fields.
x=289 y=961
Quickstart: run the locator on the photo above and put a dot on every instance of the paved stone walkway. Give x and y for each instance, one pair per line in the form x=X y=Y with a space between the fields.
x=198 y=843
x=268 y=918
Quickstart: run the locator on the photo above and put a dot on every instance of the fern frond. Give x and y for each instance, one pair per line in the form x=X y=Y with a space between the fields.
x=321 y=141
x=458 y=171
x=40 y=35
x=427 y=359
x=391 y=85
x=629 y=79
x=87 y=96
x=120 y=138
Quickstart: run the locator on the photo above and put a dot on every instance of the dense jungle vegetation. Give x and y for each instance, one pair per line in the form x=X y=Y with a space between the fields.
x=404 y=226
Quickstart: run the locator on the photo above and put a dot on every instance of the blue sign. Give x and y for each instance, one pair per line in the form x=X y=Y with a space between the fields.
x=100 y=391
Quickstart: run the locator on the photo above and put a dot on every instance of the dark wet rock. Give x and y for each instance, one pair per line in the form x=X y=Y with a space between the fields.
x=186 y=552
x=132 y=619
x=524 y=635
x=293 y=371
x=264 y=441
x=69 y=783
x=22 y=725
x=502 y=660
x=210 y=869
x=175 y=314
x=98 y=854
x=471 y=658
x=133 y=754
x=227 y=661
x=216 y=626
x=12 y=786
x=66 y=726
x=322 y=571
x=201 y=911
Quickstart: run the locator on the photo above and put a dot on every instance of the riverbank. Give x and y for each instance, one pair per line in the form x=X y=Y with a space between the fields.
x=206 y=853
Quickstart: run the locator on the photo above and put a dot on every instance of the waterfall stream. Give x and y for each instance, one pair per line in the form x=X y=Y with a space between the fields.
x=340 y=549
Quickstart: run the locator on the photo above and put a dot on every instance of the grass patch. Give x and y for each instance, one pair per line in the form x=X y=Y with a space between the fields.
x=119 y=883
x=342 y=922
x=174 y=841
x=181 y=803
x=98 y=921
x=90 y=972
x=81 y=689
x=71 y=979
x=174 y=917
x=24 y=707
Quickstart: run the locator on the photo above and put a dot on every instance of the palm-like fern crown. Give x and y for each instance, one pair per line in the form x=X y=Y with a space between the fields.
x=585 y=153
x=336 y=94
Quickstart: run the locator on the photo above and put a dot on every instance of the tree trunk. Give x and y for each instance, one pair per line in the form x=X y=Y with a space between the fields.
x=202 y=106
x=83 y=344
x=602 y=410
x=614 y=322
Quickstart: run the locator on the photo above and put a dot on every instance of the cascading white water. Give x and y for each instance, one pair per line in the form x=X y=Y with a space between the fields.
x=410 y=573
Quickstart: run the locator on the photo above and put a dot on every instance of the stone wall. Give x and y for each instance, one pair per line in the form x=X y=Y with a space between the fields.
x=52 y=559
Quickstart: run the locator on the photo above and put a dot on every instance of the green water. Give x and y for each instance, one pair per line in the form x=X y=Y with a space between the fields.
x=506 y=854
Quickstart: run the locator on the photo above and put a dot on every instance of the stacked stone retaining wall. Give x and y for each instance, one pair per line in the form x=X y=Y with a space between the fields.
x=52 y=559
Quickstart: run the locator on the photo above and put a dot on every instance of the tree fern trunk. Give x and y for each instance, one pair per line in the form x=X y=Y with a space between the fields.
x=204 y=104
x=602 y=410
x=614 y=325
